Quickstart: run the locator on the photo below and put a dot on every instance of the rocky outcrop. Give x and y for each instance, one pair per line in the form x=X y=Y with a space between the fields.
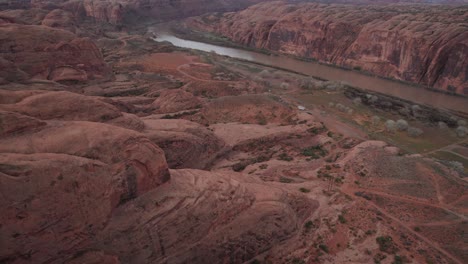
x=205 y=217
x=117 y=11
x=186 y=144
x=42 y=52
x=59 y=18
x=64 y=106
x=175 y=100
x=252 y=109
x=61 y=184
x=426 y=45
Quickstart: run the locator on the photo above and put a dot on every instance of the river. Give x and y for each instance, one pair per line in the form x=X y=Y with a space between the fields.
x=412 y=93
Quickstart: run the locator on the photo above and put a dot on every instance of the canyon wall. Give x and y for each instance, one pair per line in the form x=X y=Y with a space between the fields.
x=124 y=11
x=423 y=44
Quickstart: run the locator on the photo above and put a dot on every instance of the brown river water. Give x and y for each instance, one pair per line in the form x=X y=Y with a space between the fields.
x=415 y=94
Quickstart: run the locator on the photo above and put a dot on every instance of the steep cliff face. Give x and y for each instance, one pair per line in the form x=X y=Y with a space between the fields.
x=427 y=45
x=116 y=11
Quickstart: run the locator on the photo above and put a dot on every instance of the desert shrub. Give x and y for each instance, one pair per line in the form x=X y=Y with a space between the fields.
x=304 y=190
x=331 y=104
x=461 y=131
x=415 y=109
x=308 y=225
x=316 y=130
x=349 y=111
x=342 y=219
x=379 y=257
x=402 y=125
x=323 y=247
x=264 y=73
x=240 y=166
x=374 y=99
x=261 y=119
x=442 y=125
x=257 y=79
x=307 y=84
x=386 y=244
x=414 y=132
x=285 y=180
x=297 y=261
x=341 y=107
x=457 y=166
x=461 y=122
x=263 y=166
x=315 y=152
x=375 y=120
x=400 y=260
x=357 y=101
x=284 y=85
x=390 y=125
x=405 y=111
x=284 y=156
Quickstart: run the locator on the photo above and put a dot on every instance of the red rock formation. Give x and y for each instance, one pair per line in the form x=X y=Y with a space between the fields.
x=253 y=109
x=59 y=18
x=115 y=11
x=64 y=106
x=427 y=45
x=47 y=53
x=175 y=100
x=186 y=144
x=61 y=184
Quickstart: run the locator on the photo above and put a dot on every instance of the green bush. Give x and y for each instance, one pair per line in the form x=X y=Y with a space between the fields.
x=284 y=156
x=314 y=152
x=285 y=180
x=342 y=219
x=323 y=247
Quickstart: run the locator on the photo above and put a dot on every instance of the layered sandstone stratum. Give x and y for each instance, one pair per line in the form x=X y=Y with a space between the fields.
x=115 y=148
x=423 y=44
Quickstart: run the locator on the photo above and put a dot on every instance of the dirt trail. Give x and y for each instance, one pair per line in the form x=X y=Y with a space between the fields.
x=349 y=190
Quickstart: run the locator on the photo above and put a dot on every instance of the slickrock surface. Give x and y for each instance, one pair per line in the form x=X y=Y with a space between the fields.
x=115 y=148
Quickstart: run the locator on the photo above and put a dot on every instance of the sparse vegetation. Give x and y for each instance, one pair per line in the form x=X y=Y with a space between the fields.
x=284 y=156
x=390 y=126
x=304 y=190
x=284 y=85
x=375 y=120
x=442 y=125
x=323 y=247
x=265 y=73
x=461 y=131
x=386 y=244
x=315 y=152
x=308 y=225
x=297 y=261
x=285 y=180
x=414 y=132
x=179 y=115
x=402 y=125
x=342 y=219
x=308 y=84
x=240 y=166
